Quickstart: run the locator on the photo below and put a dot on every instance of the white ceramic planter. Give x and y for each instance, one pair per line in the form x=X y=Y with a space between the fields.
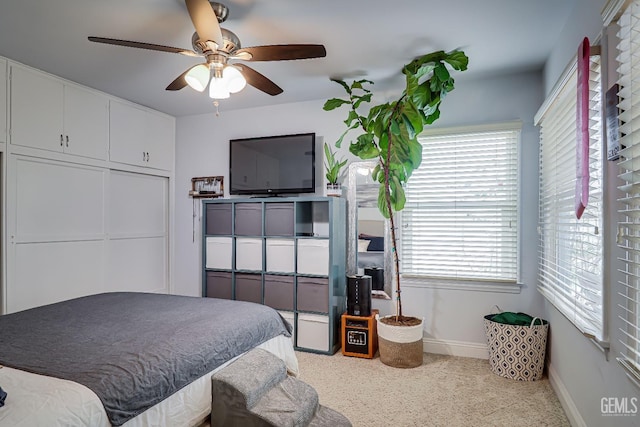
x=334 y=190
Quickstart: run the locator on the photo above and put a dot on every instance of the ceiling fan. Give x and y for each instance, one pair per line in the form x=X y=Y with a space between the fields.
x=219 y=47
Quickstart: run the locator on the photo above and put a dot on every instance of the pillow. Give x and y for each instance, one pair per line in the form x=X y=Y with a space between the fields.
x=362 y=245
x=376 y=243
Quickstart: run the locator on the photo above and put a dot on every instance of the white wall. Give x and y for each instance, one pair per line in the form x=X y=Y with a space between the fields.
x=580 y=372
x=202 y=149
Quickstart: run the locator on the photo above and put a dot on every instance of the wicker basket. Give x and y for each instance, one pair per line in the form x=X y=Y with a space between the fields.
x=517 y=352
x=400 y=346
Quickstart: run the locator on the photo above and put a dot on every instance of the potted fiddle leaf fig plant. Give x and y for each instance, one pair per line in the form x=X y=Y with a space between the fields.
x=333 y=168
x=389 y=133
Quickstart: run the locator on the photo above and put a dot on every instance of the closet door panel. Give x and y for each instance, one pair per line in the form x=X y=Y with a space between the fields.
x=138 y=232
x=49 y=272
x=137 y=204
x=138 y=265
x=58 y=201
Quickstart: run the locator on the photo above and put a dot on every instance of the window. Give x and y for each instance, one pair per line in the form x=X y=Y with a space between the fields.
x=570 y=249
x=460 y=220
x=629 y=203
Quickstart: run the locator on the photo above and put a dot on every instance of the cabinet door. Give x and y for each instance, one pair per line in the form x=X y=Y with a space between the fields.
x=159 y=140
x=36 y=109
x=86 y=123
x=3 y=100
x=127 y=134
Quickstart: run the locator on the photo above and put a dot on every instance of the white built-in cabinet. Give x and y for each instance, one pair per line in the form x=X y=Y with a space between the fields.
x=140 y=137
x=82 y=215
x=66 y=117
x=3 y=100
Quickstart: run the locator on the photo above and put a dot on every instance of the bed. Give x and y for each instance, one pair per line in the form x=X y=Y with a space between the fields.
x=370 y=244
x=130 y=359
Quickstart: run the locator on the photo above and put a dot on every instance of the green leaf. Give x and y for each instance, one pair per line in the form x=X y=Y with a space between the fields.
x=399 y=198
x=382 y=202
x=334 y=103
x=343 y=84
x=395 y=127
x=361 y=99
x=351 y=117
x=339 y=141
x=458 y=60
x=358 y=84
x=442 y=72
x=364 y=147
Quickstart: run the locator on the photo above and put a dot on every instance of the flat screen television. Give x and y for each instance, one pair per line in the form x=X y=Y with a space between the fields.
x=272 y=165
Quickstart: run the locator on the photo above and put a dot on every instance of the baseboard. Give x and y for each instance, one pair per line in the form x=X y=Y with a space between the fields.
x=570 y=409
x=455 y=348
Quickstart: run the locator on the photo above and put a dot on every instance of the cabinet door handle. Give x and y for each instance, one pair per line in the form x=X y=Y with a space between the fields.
x=61 y=140
x=147 y=156
x=67 y=140
x=144 y=157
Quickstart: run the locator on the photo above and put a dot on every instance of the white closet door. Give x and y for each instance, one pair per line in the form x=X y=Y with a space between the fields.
x=138 y=251
x=56 y=233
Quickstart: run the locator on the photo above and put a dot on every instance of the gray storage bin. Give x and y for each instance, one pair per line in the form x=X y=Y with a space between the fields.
x=249 y=287
x=248 y=219
x=219 y=285
x=218 y=219
x=313 y=294
x=278 y=291
x=278 y=219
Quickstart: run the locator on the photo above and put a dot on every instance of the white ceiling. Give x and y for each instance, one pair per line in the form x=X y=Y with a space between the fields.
x=363 y=38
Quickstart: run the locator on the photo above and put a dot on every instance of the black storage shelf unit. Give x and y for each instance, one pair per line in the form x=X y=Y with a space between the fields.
x=287 y=253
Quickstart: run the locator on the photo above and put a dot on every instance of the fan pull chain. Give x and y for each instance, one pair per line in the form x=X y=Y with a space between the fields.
x=216 y=104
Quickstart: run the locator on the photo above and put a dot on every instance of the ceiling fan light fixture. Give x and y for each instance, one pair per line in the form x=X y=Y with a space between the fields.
x=198 y=77
x=218 y=89
x=233 y=78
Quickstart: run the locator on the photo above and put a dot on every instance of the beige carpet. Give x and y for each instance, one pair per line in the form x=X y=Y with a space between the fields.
x=444 y=391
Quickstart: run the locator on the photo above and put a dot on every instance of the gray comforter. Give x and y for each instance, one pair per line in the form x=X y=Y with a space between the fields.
x=133 y=349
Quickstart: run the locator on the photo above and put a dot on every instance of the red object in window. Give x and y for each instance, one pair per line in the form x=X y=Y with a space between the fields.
x=582 y=128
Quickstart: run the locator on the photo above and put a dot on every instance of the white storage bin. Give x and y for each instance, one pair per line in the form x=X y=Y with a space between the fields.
x=248 y=253
x=313 y=256
x=280 y=255
x=313 y=332
x=219 y=252
x=289 y=317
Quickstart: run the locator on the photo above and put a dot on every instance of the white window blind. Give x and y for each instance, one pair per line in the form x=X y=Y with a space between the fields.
x=570 y=249
x=629 y=204
x=460 y=219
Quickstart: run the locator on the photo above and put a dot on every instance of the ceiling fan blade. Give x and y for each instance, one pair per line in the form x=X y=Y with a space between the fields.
x=281 y=52
x=179 y=82
x=259 y=81
x=141 y=45
x=205 y=21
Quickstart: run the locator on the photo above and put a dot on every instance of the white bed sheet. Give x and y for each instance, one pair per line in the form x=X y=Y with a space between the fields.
x=37 y=400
